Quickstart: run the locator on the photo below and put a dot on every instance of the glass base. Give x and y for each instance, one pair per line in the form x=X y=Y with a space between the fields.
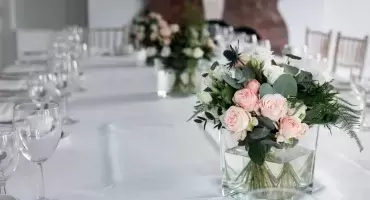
x=69 y=121
x=290 y=168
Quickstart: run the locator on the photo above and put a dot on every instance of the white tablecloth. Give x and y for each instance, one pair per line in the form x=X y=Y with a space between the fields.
x=132 y=145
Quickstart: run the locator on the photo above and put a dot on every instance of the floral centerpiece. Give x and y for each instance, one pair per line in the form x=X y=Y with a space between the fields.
x=265 y=111
x=151 y=32
x=190 y=45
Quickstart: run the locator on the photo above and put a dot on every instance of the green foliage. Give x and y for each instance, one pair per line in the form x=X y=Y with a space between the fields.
x=259 y=132
x=232 y=82
x=285 y=85
x=266 y=89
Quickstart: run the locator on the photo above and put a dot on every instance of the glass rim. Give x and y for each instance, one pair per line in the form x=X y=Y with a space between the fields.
x=31 y=106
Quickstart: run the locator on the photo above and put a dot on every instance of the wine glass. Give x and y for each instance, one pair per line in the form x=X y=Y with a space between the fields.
x=9 y=155
x=360 y=84
x=277 y=194
x=41 y=88
x=38 y=127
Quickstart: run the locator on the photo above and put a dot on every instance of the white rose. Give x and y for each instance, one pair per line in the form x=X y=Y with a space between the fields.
x=166 y=51
x=151 y=51
x=321 y=76
x=204 y=97
x=272 y=73
x=244 y=58
x=298 y=110
x=240 y=136
x=154 y=27
x=198 y=53
x=174 y=28
x=262 y=54
x=218 y=72
x=187 y=51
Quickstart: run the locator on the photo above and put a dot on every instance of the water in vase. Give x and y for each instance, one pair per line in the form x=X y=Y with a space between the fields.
x=286 y=168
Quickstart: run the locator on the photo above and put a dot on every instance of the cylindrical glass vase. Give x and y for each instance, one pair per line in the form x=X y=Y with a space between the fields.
x=184 y=83
x=289 y=168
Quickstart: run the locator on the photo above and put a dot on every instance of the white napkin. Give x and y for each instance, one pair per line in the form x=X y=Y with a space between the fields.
x=13 y=84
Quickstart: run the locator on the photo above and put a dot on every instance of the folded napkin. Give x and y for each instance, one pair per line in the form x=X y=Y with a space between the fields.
x=13 y=85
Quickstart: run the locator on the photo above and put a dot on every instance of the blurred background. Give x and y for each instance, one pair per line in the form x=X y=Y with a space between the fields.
x=280 y=21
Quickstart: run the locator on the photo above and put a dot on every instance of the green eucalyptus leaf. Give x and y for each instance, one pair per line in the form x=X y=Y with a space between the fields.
x=266 y=89
x=239 y=74
x=227 y=94
x=201 y=118
x=244 y=79
x=266 y=122
x=232 y=82
x=294 y=57
x=214 y=65
x=198 y=121
x=257 y=152
x=286 y=85
x=219 y=111
x=209 y=115
x=259 y=133
x=207 y=89
x=304 y=76
x=205 y=75
x=273 y=62
x=290 y=69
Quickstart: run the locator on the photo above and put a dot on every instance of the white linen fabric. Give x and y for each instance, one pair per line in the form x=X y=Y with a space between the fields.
x=132 y=145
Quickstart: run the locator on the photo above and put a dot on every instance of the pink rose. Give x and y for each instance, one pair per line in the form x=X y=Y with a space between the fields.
x=246 y=99
x=174 y=28
x=236 y=119
x=253 y=85
x=154 y=15
x=167 y=41
x=162 y=24
x=165 y=32
x=291 y=127
x=273 y=106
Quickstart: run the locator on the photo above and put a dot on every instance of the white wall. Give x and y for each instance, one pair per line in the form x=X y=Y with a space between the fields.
x=299 y=14
x=112 y=13
x=7 y=37
x=50 y=14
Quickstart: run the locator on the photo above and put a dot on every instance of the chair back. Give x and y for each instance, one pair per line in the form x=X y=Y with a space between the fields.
x=107 y=40
x=350 y=52
x=318 y=42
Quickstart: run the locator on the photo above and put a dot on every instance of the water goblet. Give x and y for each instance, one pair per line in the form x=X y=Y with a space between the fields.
x=38 y=127
x=9 y=155
x=360 y=84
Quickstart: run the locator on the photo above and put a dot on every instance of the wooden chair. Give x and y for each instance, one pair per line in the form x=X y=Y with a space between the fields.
x=318 y=42
x=350 y=52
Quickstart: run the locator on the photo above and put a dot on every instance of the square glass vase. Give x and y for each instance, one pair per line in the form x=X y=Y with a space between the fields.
x=288 y=168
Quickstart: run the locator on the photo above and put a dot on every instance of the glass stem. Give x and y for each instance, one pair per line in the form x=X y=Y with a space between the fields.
x=65 y=105
x=41 y=185
x=364 y=110
x=2 y=187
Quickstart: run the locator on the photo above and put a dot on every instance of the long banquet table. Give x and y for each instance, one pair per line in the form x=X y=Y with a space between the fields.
x=130 y=144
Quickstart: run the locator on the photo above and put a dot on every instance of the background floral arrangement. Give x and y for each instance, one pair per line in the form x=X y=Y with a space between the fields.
x=265 y=104
x=151 y=32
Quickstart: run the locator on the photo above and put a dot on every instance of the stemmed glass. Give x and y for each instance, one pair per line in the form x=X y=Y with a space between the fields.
x=67 y=80
x=38 y=127
x=361 y=86
x=9 y=155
